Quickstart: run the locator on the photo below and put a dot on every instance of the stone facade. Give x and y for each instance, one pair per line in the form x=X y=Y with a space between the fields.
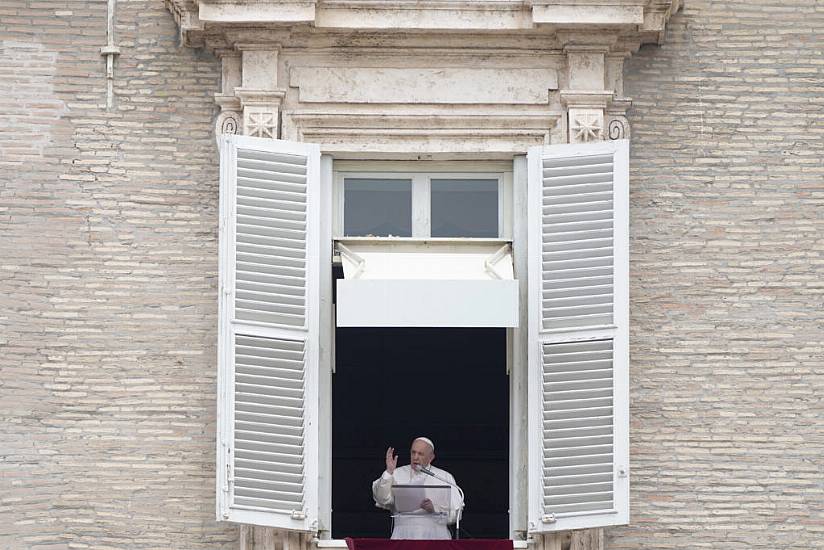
x=727 y=280
x=108 y=262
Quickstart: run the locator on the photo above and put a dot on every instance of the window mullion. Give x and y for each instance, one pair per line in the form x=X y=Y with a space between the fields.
x=338 y=205
x=505 y=206
x=421 y=207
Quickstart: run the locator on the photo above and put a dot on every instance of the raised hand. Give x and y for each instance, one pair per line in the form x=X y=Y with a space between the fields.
x=391 y=460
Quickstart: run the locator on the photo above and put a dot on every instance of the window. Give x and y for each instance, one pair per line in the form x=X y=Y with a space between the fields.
x=420 y=203
x=464 y=207
x=452 y=266
x=377 y=207
x=569 y=363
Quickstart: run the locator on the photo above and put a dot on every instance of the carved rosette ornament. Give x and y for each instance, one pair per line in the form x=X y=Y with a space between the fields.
x=260 y=121
x=586 y=125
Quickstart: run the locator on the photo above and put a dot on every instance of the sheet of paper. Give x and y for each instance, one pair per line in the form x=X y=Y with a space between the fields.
x=408 y=498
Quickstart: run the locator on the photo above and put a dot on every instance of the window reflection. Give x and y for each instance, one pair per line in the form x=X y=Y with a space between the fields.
x=464 y=208
x=377 y=207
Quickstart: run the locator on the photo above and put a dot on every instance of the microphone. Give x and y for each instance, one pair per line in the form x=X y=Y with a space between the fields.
x=429 y=472
x=459 y=511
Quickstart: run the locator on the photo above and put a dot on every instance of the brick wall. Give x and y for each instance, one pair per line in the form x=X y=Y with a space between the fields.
x=108 y=260
x=727 y=278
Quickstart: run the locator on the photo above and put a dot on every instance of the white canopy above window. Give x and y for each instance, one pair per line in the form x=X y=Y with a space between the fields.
x=426 y=283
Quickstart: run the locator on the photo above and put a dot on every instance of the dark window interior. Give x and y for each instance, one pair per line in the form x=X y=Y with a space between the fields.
x=394 y=384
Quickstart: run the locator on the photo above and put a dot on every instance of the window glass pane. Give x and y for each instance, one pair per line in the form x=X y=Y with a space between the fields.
x=464 y=208
x=377 y=207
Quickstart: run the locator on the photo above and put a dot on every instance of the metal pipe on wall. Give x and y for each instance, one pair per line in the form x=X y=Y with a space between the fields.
x=110 y=50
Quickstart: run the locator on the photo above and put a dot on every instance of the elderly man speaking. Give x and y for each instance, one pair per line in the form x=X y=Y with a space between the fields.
x=430 y=519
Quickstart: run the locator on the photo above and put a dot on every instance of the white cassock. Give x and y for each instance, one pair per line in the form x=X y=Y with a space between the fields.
x=419 y=524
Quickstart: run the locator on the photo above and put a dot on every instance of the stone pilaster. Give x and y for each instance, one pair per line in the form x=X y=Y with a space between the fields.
x=230 y=117
x=253 y=537
x=593 y=98
x=259 y=95
x=550 y=541
x=616 y=123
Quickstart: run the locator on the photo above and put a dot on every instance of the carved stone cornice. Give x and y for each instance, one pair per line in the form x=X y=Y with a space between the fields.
x=259 y=97
x=634 y=22
x=480 y=133
x=228 y=102
x=589 y=99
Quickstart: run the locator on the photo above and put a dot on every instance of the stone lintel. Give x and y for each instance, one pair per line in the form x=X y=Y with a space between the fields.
x=421 y=85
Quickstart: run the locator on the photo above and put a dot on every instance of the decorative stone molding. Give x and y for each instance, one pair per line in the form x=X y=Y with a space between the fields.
x=424 y=135
x=417 y=85
x=376 y=79
x=586 y=125
x=595 y=108
x=260 y=121
x=228 y=122
x=640 y=20
x=618 y=126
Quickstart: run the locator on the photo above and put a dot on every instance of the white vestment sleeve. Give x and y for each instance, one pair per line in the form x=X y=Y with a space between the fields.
x=382 y=491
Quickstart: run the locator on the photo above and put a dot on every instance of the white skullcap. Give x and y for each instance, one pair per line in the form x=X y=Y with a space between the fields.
x=427 y=441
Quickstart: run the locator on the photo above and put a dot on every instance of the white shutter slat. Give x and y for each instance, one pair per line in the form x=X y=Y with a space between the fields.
x=268 y=359
x=578 y=282
x=565 y=367
x=263 y=447
x=569 y=178
x=269 y=184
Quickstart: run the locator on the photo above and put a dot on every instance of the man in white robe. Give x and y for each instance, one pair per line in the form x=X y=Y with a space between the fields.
x=431 y=519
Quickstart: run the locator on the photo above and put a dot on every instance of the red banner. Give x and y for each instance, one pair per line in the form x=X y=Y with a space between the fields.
x=402 y=544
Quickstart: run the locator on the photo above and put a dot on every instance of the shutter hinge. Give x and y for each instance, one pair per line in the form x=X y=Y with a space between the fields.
x=229 y=474
x=298 y=514
x=548 y=518
x=622 y=471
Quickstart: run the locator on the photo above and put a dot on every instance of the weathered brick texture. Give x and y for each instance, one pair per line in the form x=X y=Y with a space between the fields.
x=108 y=259
x=108 y=262
x=727 y=271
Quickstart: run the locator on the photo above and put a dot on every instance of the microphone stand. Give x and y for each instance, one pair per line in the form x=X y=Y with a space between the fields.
x=459 y=511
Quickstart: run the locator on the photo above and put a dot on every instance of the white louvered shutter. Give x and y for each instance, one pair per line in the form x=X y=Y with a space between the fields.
x=578 y=336
x=268 y=333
